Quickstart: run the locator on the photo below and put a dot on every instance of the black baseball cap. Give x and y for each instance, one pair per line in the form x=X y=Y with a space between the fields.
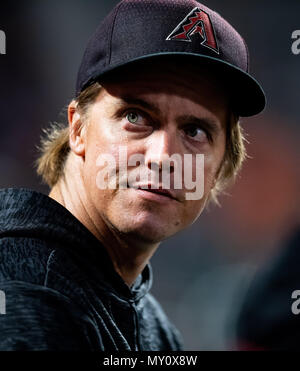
x=136 y=30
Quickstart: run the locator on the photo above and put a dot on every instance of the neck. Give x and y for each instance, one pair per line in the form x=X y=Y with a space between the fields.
x=129 y=254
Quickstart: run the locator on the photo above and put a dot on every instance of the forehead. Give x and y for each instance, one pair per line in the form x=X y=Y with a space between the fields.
x=179 y=85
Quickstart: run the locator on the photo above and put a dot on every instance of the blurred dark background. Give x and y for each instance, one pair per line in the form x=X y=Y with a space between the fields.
x=201 y=276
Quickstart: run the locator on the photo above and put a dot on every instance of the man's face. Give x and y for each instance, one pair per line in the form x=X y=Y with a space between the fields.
x=155 y=113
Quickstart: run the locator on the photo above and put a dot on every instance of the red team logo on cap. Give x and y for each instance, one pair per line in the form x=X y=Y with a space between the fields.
x=196 y=22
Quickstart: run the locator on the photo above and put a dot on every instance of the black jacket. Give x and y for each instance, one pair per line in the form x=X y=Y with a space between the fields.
x=61 y=290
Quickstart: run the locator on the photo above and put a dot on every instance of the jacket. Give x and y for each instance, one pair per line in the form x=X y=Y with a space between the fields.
x=61 y=289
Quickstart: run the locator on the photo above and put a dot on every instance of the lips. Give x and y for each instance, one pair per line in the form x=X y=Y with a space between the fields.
x=158 y=190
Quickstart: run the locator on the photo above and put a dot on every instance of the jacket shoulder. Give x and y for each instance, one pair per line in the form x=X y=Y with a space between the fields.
x=24 y=259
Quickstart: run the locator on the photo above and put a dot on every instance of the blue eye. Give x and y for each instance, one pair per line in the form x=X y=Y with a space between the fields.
x=132 y=117
x=196 y=133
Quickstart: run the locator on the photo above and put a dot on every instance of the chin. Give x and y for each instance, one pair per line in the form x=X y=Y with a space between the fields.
x=147 y=229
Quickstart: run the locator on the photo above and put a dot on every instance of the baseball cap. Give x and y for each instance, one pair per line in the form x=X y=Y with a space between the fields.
x=136 y=30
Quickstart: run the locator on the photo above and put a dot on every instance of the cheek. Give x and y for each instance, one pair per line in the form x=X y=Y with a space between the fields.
x=191 y=211
x=203 y=174
x=210 y=171
x=212 y=164
x=105 y=140
x=101 y=151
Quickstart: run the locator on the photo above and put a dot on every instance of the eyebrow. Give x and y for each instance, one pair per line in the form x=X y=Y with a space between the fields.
x=208 y=123
x=127 y=100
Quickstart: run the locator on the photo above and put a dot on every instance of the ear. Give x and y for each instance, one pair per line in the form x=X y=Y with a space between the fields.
x=76 y=137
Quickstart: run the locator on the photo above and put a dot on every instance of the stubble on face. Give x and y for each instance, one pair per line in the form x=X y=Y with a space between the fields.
x=127 y=211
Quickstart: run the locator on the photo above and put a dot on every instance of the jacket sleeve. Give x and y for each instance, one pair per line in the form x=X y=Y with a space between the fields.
x=37 y=318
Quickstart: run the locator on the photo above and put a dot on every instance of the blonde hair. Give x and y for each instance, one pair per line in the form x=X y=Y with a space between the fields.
x=235 y=155
x=54 y=148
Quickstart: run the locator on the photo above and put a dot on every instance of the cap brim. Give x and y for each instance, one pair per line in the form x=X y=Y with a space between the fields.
x=247 y=95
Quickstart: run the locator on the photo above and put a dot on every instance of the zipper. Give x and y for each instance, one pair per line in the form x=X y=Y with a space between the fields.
x=137 y=327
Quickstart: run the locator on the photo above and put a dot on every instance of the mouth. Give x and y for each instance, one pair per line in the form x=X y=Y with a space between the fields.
x=156 y=191
x=159 y=192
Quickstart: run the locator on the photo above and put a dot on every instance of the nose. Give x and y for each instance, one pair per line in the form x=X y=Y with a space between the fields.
x=161 y=146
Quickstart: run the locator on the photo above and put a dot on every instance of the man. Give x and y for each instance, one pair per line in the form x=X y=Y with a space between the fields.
x=158 y=78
